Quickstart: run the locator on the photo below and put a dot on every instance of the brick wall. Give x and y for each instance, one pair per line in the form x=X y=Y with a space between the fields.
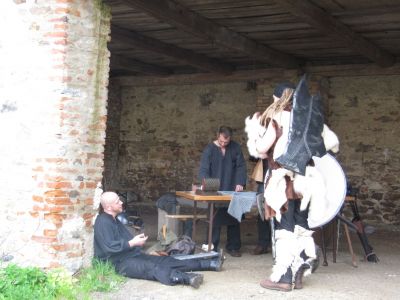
x=164 y=130
x=54 y=71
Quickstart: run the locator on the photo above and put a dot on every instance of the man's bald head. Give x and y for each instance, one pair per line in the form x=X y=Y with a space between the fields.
x=111 y=203
x=107 y=198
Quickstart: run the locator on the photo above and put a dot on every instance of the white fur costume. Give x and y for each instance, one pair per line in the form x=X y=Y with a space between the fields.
x=311 y=185
x=289 y=245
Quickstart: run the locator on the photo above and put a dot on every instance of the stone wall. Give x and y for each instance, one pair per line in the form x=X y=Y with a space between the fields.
x=164 y=130
x=54 y=72
x=365 y=113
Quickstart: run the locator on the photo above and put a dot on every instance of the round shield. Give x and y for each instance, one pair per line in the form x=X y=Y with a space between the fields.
x=336 y=186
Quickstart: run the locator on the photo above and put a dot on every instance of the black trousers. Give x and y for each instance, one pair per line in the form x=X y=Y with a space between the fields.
x=264 y=233
x=233 y=241
x=263 y=227
x=158 y=268
x=293 y=216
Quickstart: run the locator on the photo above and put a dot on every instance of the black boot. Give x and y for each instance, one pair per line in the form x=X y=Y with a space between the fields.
x=192 y=279
x=308 y=263
x=216 y=263
x=312 y=263
x=315 y=262
x=213 y=264
x=298 y=278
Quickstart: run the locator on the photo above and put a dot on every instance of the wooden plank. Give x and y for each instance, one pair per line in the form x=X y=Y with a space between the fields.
x=354 y=70
x=136 y=40
x=121 y=62
x=194 y=197
x=218 y=3
x=242 y=12
x=349 y=70
x=184 y=217
x=262 y=20
x=308 y=33
x=331 y=26
x=371 y=11
x=189 y=21
x=203 y=5
x=200 y=78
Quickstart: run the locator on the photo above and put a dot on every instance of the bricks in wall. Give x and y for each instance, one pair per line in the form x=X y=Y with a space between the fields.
x=53 y=116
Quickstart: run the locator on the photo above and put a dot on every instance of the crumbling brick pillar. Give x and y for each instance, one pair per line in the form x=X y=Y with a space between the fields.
x=54 y=69
x=111 y=150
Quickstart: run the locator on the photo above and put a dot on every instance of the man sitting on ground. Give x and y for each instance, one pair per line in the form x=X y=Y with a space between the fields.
x=113 y=242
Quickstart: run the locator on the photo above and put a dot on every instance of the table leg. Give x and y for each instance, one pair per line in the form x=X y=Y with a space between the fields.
x=325 y=263
x=210 y=224
x=194 y=220
x=334 y=239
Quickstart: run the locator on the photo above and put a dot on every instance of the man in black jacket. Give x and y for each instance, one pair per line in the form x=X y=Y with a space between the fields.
x=223 y=159
x=113 y=242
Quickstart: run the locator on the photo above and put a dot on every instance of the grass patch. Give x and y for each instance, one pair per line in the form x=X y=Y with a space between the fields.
x=101 y=277
x=33 y=283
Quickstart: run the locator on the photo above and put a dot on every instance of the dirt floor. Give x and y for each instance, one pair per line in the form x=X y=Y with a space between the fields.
x=241 y=276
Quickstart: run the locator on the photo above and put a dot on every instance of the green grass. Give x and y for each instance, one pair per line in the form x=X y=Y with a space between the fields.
x=101 y=277
x=28 y=283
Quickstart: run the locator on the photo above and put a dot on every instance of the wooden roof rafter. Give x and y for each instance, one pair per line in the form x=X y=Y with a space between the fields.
x=189 y=21
x=261 y=74
x=326 y=23
x=187 y=56
x=126 y=63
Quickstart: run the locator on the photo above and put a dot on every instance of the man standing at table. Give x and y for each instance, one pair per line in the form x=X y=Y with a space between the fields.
x=224 y=159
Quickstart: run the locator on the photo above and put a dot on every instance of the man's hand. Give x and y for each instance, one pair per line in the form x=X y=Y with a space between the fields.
x=138 y=241
x=239 y=188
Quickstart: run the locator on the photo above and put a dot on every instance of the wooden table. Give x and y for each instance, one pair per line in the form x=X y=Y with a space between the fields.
x=211 y=200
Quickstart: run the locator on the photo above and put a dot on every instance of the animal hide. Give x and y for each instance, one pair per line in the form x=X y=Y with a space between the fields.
x=286 y=248
x=275 y=194
x=283 y=120
x=312 y=187
x=331 y=140
x=254 y=131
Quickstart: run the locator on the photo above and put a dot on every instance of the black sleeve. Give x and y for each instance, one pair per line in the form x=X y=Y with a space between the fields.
x=108 y=238
x=241 y=169
x=205 y=164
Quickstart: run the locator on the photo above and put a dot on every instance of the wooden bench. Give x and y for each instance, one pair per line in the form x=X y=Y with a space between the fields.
x=185 y=217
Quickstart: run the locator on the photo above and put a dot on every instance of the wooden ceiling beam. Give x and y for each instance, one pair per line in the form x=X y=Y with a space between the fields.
x=261 y=74
x=189 y=21
x=125 y=63
x=324 y=22
x=183 y=55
